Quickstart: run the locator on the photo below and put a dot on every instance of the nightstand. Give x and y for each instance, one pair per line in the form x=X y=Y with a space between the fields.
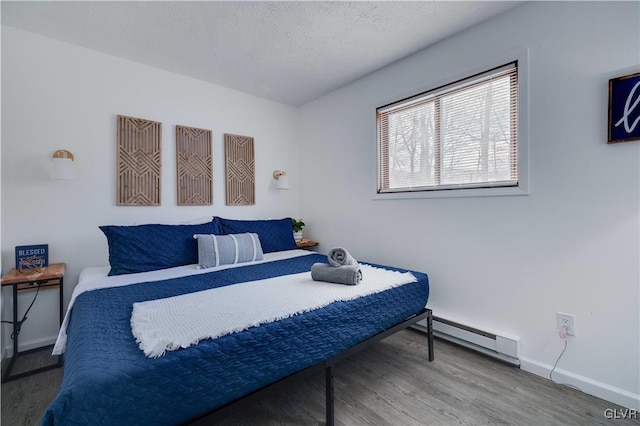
x=49 y=277
x=303 y=244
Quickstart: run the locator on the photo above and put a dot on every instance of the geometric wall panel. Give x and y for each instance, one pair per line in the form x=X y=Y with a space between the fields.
x=194 y=161
x=139 y=162
x=240 y=170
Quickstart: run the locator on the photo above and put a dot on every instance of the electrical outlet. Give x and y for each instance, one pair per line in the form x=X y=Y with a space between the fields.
x=566 y=323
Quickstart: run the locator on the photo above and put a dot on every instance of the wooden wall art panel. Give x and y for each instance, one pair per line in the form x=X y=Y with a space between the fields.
x=194 y=160
x=139 y=162
x=240 y=170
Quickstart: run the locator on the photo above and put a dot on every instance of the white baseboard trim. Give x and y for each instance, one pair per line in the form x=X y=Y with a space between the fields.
x=592 y=387
x=32 y=344
x=38 y=343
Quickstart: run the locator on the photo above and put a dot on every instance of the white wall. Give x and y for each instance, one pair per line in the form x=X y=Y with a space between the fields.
x=59 y=96
x=508 y=263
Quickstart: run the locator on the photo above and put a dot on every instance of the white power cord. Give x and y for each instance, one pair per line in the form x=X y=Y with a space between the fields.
x=563 y=335
x=558 y=360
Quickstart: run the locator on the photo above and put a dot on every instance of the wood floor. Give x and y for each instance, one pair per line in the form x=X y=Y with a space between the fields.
x=390 y=383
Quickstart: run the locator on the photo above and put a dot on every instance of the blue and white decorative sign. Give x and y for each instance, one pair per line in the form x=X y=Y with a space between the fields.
x=624 y=109
x=32 y=257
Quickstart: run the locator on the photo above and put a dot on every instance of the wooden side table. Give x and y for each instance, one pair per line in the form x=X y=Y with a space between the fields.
x=49 y=277
x=303 y=244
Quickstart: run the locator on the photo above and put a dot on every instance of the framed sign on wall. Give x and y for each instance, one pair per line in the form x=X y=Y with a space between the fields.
x=624 y=109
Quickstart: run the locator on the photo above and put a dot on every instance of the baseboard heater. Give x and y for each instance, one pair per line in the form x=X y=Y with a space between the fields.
x=502 y=347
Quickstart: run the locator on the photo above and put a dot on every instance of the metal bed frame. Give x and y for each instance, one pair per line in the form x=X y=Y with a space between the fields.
x=327 y=365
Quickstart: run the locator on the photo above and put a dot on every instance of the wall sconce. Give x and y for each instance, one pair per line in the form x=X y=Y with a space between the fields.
x=63 y=165
x=281 y=177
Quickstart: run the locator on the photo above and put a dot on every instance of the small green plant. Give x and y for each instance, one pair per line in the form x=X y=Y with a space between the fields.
x=297 y=225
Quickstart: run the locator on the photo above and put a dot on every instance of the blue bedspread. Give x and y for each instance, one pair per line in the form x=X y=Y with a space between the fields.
x=108 y=380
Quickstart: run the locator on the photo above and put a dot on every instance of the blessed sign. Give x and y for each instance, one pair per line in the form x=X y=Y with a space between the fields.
x=32 y=257
x=624 y=109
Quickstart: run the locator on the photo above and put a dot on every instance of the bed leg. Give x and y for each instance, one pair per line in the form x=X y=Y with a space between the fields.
x=430 y=334
x=328 y=373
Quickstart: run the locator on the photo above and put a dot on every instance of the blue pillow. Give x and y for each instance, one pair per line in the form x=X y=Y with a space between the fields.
x=275 y=235
x=145 y=248
x=216 y=250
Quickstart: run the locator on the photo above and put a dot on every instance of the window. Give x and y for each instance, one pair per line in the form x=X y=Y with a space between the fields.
x=459 y=136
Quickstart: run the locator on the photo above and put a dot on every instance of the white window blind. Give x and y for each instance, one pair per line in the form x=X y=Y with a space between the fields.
x=462 y=135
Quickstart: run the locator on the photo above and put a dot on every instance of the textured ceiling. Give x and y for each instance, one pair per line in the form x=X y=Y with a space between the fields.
x=291 y=52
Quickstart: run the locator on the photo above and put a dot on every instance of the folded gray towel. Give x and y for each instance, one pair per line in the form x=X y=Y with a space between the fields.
x=339 y=257
x=347 y=274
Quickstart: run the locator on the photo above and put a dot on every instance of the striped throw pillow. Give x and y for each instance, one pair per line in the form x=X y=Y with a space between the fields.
x=215 y=250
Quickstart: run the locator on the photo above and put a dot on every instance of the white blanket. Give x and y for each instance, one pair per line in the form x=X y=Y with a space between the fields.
x=95 y=278
x=181 y=321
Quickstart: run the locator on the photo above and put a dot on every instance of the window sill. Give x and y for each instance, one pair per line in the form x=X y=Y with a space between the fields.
x=453 y=193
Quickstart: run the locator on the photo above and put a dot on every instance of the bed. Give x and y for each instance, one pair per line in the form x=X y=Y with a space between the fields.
x=108 y=379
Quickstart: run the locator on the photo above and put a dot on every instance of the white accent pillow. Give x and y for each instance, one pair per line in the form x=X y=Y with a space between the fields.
x=215 y=250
